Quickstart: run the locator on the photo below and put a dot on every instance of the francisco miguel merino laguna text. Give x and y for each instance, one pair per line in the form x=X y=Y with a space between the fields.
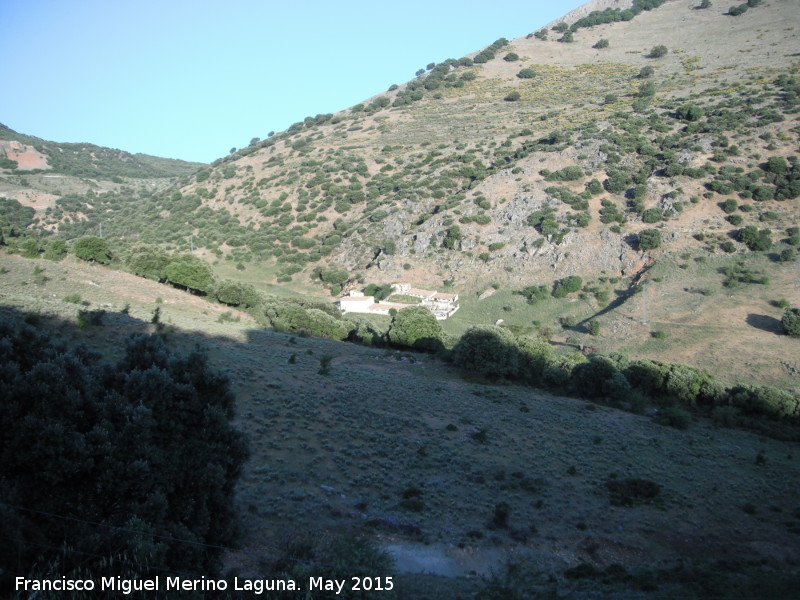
x=204 y=584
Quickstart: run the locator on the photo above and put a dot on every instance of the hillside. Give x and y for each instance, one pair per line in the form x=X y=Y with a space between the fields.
x=519 y=165
x=85 y=160
x=411 y=453
x=614 y=199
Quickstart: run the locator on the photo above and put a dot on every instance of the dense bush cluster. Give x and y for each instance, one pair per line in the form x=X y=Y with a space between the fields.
x=96 y=459
x=490 y=51
x=614 y=15
x=678 y=390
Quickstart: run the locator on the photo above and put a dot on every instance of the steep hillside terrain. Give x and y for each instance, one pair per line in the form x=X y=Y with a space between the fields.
x=455 y=478
x=613 y=197
x=532 y=160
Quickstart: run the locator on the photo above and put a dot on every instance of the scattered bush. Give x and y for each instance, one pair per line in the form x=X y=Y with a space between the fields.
x=658 y=51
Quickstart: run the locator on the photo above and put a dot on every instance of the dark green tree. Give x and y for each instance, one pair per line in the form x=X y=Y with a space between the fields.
x=236 y=293
x=489 y=350
x=190 y=272
x=92 y=249
x=416 y=327
x=649 y=239
x=754 y=239
x=791 y=322
x=566 y=286
x=148 y=261
x=452 y=238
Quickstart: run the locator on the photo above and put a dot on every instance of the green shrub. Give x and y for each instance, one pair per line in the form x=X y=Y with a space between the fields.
x=148 y=261
x=92 y=249
x=646 y=72
x=589 y=377
x=658 y=51
x=603 y=43
x=762 y=400
x=56 y=250
x=593 y=327
x=109 y=426
x=526 y=73
x=90 y=317
x=791 y=322
x=512 y=97
x=416 y=327
x=190 y=272
x=489 y=350
x=754 y=239
x=673 y=416
x=649 y=239
x=312 y=319
x=652 y=215
x=235 y=293
x=568 y=285
x=535 y=354
x=570 y=173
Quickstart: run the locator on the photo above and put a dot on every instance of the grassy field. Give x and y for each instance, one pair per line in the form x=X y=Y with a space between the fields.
x=440 y=467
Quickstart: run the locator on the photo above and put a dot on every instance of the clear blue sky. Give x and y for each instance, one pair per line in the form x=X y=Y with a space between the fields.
x=190 y=79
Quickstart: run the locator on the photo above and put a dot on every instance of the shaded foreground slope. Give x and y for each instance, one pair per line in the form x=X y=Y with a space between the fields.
x=402 y=449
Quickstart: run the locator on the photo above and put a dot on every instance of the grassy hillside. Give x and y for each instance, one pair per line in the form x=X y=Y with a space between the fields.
x=414 y=454
x=519 y=165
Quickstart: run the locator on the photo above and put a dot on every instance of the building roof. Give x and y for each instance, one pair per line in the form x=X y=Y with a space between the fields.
x=443 y=296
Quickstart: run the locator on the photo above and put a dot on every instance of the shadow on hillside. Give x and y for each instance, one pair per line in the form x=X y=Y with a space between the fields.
x=622 y=297
x=107 y=332
x=765 y=323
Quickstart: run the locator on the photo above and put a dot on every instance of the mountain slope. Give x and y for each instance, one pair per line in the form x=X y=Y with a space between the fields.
x=408 y=173
x=89 y=160
x=654 y=157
